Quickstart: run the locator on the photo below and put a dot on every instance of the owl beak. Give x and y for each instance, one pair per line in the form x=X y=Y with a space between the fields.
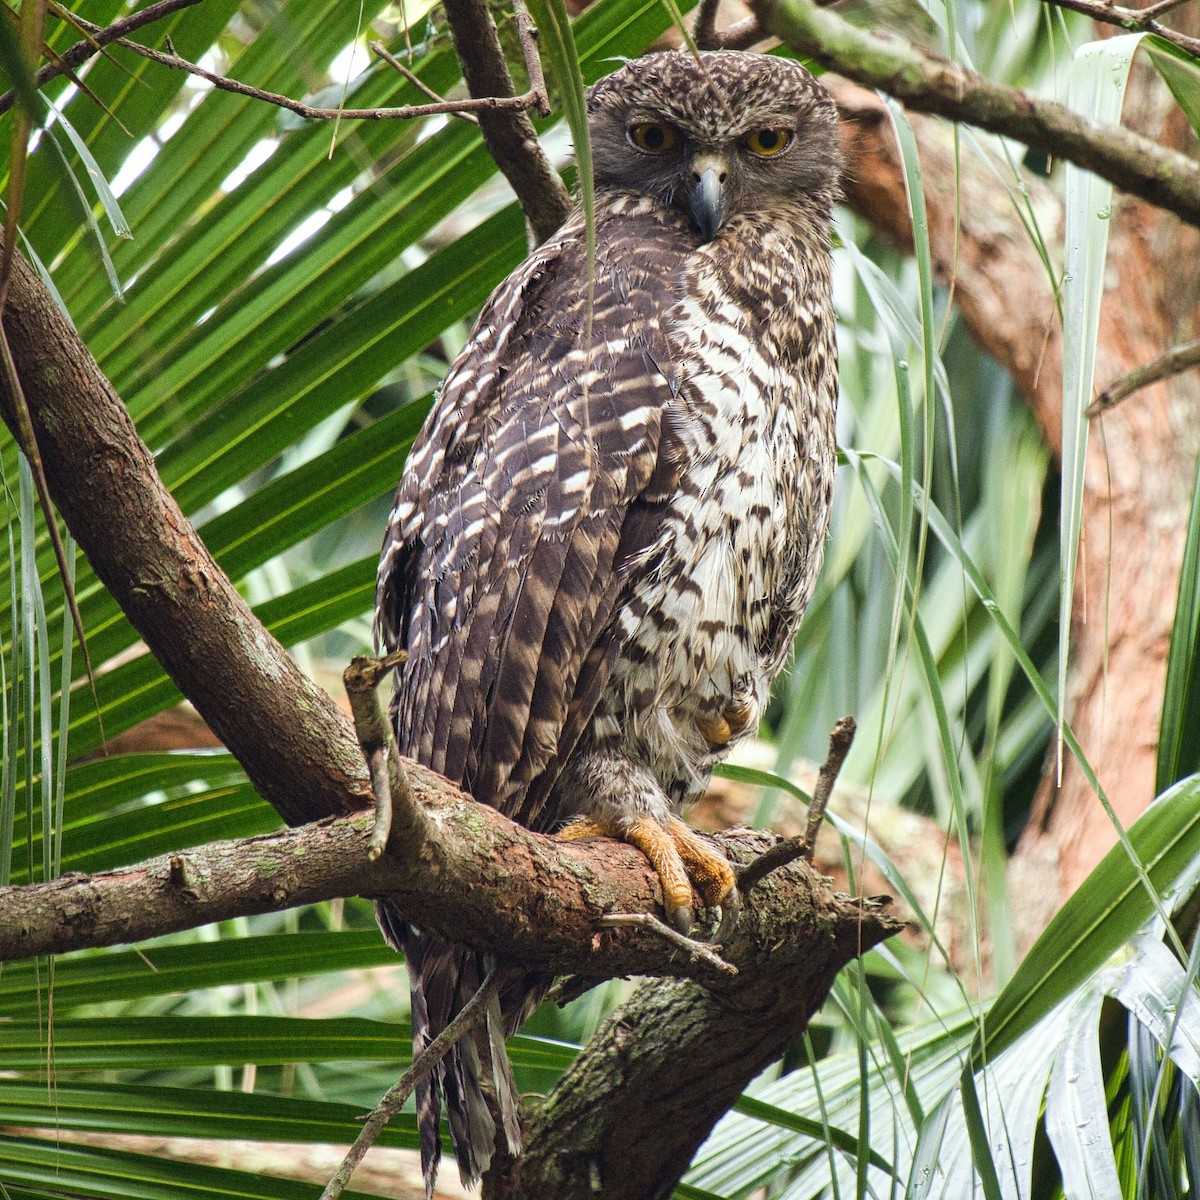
x=709 y=199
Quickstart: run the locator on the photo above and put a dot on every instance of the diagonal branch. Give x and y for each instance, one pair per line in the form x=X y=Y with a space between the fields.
x=926 y=83
x=1133 y=19
x=506 y=127
x=468 y=1017
x=1173 y=362
x=99 y=37
x=296 y=747
x=403 y=112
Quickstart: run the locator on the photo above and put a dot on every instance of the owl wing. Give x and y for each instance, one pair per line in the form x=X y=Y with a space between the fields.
x=542 y=472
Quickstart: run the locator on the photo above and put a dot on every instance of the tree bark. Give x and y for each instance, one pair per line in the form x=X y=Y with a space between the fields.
x=478 y=879
x=658 y=1108
x=296 y=747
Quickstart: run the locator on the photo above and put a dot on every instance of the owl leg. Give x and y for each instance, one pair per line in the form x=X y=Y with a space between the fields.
x=613 y=795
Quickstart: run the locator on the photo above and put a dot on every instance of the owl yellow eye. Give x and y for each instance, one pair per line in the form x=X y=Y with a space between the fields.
x=766 y=143
x=652 y=138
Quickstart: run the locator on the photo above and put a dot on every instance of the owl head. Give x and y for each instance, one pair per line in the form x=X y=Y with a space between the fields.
x=715 y=135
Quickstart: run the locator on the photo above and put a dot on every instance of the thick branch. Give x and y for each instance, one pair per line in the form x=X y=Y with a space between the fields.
x=480 y=879
x=929 y=84
x=602 y=1130
x=296 y=747
x=510 y=137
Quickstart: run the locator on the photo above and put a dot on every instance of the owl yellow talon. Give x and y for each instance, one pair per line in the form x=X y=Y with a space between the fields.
x=719 y=728
x=681 y=859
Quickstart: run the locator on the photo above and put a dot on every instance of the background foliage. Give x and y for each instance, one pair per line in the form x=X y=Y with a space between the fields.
x=286 y=302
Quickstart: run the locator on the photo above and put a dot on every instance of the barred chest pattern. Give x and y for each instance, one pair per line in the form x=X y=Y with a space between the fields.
x=721 y=590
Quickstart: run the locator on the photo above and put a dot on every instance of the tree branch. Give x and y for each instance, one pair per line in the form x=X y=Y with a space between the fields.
x=507 y=130
x=741 y=35
x=79 y=53
x=404 y=112
x=601 y=1130
x=925 y=83
x=1175 y=361
x=296 y=747
x=1134 y=19
x=509 y=136
x=467 y=1018
x=479 y=879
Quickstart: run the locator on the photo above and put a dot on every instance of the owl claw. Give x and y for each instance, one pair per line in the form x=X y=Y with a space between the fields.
x=681 y=918
x=731 y=909
x=684 y=863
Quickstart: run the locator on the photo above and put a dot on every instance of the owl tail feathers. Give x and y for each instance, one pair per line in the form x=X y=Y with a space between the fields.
x=474 y=1078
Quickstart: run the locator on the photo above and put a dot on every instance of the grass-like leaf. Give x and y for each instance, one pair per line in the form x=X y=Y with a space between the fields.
x=1097 y=88
x=1179 y=729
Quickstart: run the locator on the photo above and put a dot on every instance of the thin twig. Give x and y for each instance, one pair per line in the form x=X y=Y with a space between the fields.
x=388 y=780
x=1163 y=6
x=99 y=37
x=1136 y=20
x=404 y=112
x=382 y=51
x=1174 y=362
x=803 y=845
x=469 y=1016
x=698 y=951
x=527 y=34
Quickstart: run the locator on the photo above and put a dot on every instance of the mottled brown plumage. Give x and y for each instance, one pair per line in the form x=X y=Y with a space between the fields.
x=608 y=530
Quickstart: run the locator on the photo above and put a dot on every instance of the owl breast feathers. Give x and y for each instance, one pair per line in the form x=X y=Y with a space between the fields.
x=608 y=530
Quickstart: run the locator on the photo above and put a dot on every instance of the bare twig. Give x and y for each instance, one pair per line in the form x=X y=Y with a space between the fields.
x=802 y=846
x=469 y=1016
x=527 y=34
x=392 y=61
x=1163 y=6
x=1174 y=362
x=840 y=741
x=926 y=83
x=388 y=780
x=79 y=53
x=697 y=951
x=404 y=112
x=1136 y=20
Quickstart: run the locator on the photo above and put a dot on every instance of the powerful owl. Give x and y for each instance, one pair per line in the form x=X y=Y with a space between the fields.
x=609 y=527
